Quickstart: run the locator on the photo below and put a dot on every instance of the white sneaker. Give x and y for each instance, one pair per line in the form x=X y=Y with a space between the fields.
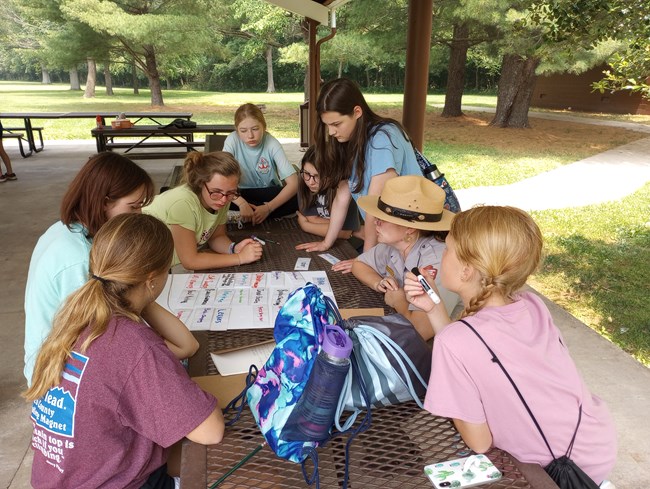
x=607 y=485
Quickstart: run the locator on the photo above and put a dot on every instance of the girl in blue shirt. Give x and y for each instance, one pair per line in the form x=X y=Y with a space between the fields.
x=269 y=182
x=358 y=151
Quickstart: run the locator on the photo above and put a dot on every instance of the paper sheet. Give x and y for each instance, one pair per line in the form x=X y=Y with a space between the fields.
x=238 y=361
x=224 y=301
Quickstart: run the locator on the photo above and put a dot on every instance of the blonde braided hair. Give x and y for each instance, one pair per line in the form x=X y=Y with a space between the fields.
x=503 y=244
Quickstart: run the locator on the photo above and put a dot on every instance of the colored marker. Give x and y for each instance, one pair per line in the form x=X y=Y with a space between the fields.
x=267 y=239
x=425 y=285
x=260 y=241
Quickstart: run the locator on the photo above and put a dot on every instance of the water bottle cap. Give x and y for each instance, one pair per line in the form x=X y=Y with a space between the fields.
x=336 y=342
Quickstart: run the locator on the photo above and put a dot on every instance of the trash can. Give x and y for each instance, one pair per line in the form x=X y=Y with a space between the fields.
x=304 y=125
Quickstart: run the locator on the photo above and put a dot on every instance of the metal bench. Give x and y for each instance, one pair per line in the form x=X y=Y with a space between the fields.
x=20 y=129
x=19 y=137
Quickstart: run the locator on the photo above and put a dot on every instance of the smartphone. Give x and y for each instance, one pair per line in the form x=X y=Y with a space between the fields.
x=462 y=472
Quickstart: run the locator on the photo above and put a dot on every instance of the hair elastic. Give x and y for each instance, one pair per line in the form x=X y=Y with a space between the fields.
x=100 y=279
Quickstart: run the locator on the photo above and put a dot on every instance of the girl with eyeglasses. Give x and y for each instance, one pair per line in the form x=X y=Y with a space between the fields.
x=197 y=211
x=314 y=206
x=108 y=185
x=268 y=182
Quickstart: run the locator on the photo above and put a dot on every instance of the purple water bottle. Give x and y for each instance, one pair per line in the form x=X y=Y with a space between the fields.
x=313 y=415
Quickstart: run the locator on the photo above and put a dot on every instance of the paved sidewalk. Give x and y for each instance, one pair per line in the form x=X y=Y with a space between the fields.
x=31 y=203
x=608 y=176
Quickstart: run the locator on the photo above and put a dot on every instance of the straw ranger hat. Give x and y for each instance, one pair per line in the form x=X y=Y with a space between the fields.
x=411 y=201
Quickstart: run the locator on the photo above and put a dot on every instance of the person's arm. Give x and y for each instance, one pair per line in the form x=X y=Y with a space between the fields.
x=375 y=188
x=319 y=225
x=210 y=431
x=247 y=251
x=288 y=191
x=338 y=212
x=477 y=436
x=419 y=319
x=245 y=209
x=369 y=277
x=176 y=335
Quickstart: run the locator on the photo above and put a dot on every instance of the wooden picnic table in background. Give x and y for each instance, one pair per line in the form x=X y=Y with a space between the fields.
x=158 y=137
x=28 y=128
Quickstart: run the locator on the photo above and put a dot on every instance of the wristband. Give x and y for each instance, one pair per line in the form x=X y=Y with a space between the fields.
x=231 y=248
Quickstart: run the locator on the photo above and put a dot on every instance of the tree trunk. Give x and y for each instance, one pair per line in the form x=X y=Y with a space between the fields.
x=516 y=86
x=456 y=71
x=74 y=79
x=45 y=76
x=168 y=84
x=154 y=77
x=270 y=87
x=108 y=79
x=340 y=69
x=91 y=80
x=134 y=79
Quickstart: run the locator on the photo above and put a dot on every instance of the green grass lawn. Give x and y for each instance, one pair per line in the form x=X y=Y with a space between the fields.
x=598 y=257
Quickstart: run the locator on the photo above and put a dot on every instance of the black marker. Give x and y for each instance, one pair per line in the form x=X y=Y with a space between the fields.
x=425 y=285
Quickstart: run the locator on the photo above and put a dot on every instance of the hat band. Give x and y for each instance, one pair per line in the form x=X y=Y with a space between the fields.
x=406 y=214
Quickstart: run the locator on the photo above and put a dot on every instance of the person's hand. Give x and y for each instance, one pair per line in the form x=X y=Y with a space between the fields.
x=344 y=266
x=242 y=244
x=416 y=295
x=250 y=252
x=386 y=284
x=260 y=213
x=245 y=212
x=313 y=246
x=396 y=298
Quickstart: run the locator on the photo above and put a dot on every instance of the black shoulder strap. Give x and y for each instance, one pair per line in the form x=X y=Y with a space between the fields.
x=496 y=360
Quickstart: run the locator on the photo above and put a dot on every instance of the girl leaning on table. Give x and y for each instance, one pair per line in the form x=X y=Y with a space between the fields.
x=411 y=226
x=491 y=252
x=357 y=152
x=107 y=185
x=109 y=397
x=268 y=182
x=197 y=211
x=314 y=205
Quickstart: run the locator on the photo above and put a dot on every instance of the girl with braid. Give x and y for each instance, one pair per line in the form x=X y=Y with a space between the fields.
x=491 y=251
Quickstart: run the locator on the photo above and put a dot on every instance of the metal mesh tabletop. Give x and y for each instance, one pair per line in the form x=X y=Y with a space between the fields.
x=391 y=454
x=349 y=292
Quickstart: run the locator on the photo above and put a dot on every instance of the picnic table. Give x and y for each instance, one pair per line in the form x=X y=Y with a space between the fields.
x=402 y=439
x=28 y=128
x=141 y=137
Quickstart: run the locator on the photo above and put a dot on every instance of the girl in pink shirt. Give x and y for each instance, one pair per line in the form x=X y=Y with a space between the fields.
x=491 y=252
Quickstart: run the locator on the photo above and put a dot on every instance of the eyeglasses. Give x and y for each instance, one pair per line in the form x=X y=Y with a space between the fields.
x=306 y=176
x=218 y=194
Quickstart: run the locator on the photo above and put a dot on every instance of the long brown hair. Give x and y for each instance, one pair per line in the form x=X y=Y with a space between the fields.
x=504 y=245
x=199 y=168
x=306 y=197
x=337 y=159
x=105 y=176
x=126 y=251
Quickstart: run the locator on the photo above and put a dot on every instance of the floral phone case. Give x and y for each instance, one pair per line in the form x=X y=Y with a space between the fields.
x=462 y=472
